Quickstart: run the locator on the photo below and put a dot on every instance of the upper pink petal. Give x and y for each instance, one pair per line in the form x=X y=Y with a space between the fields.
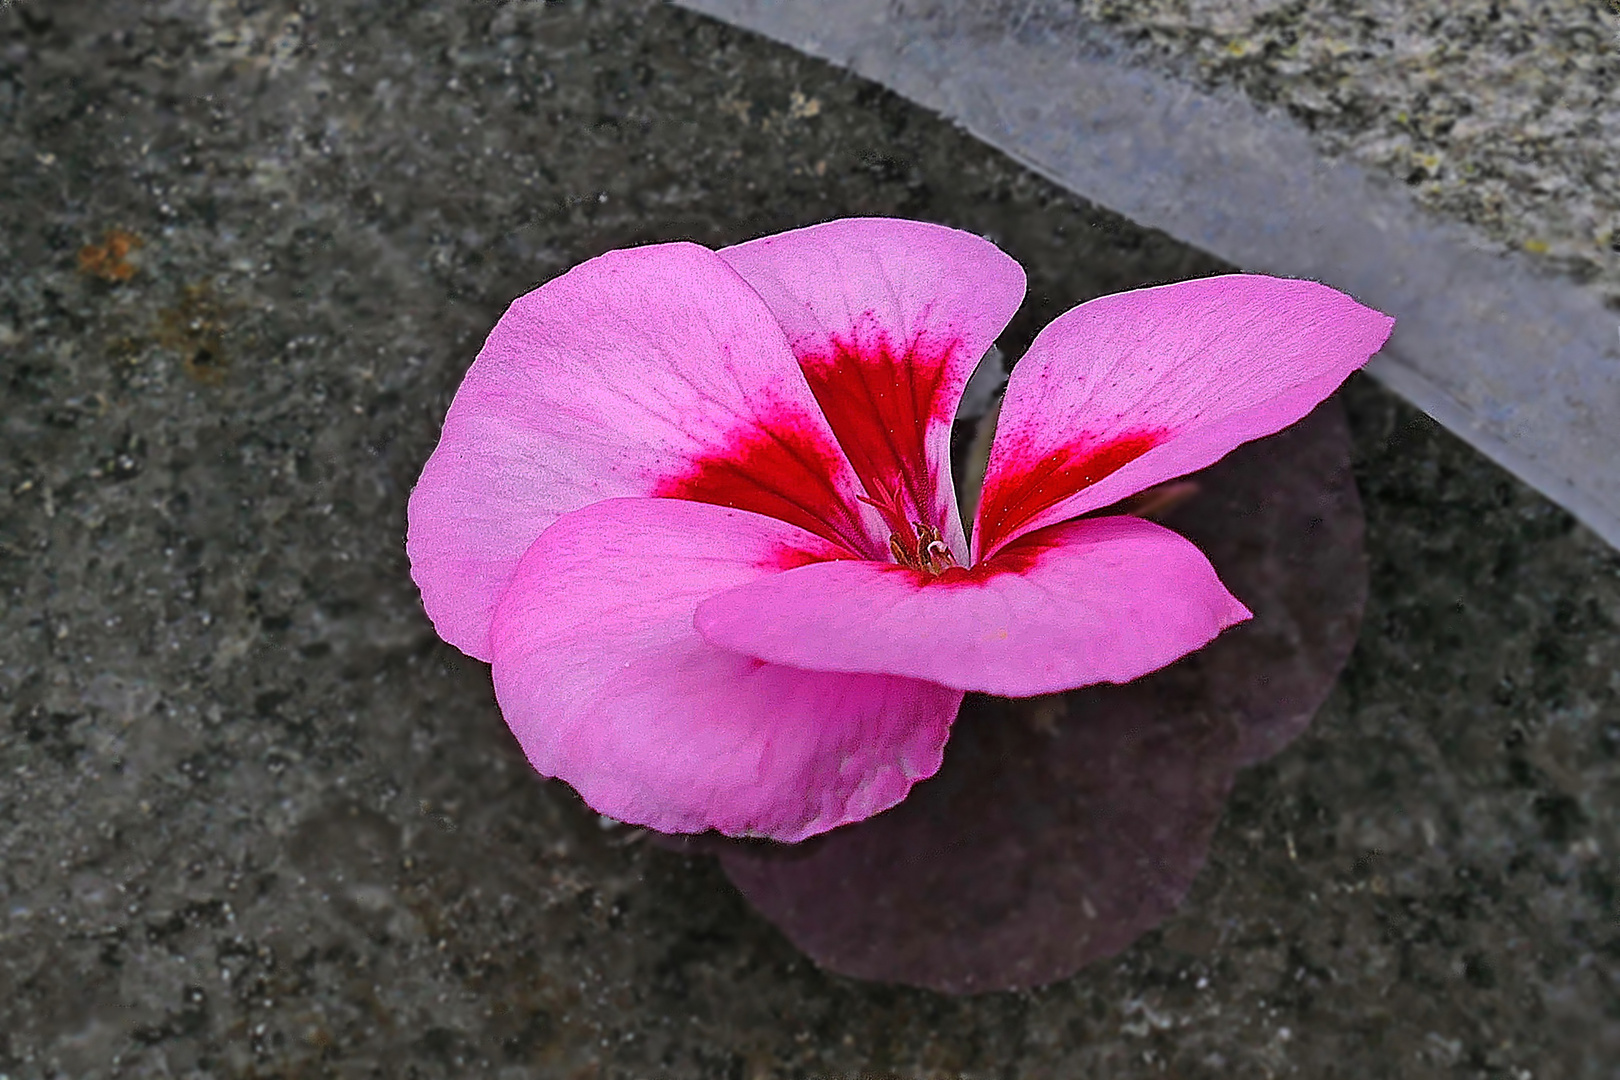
x=648 y=371
x=1130 y=390
x=608 y=686
x=1096 y=600
x=888 y=318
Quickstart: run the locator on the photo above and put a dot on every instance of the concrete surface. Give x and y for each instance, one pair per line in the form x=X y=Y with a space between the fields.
x=255 y=821
x=1501 y=113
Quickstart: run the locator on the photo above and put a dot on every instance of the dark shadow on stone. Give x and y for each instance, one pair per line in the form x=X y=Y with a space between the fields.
x=1281 y=522
x=1060 y=829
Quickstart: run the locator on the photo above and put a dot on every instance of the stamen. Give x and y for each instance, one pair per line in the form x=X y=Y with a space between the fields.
x=901 y=555
x=928 y=552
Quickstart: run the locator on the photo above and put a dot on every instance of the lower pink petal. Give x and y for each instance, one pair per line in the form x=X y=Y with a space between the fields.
x=1096 y=600
x=608 y=686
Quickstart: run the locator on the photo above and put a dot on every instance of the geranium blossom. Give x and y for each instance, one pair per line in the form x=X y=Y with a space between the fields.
x=695 y=507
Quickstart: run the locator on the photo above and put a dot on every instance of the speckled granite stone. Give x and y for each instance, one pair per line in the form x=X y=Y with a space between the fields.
x=1504 y=113
x=256 y=821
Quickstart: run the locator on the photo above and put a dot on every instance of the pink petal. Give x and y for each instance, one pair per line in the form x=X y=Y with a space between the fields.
x=606 y=684
x=888 y=319
x=1097 y=600
x=649 y=371
x=1130 y=390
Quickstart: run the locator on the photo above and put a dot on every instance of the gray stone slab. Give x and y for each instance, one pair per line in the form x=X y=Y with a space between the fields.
x=256 y=821
x=1522 y=363
x=1504 y=114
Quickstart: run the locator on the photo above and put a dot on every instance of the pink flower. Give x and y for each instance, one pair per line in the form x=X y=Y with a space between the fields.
x=695 y=507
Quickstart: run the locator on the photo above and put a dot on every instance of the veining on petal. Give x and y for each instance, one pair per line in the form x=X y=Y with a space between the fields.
x=784 y=471
x=885 y=402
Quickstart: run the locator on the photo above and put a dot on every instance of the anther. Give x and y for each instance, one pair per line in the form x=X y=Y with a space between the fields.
x=928 y=552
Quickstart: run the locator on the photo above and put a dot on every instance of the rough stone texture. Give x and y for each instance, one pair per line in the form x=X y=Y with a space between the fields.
x=1505 y=113
x=256 y=822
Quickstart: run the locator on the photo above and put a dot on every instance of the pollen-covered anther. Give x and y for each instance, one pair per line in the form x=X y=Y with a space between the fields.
x=927 y=552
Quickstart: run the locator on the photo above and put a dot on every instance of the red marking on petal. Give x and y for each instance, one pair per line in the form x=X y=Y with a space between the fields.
x=881 y=401
x=788 y=557
x=785 y=472
x=1018 y=557
x=1020 y=490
